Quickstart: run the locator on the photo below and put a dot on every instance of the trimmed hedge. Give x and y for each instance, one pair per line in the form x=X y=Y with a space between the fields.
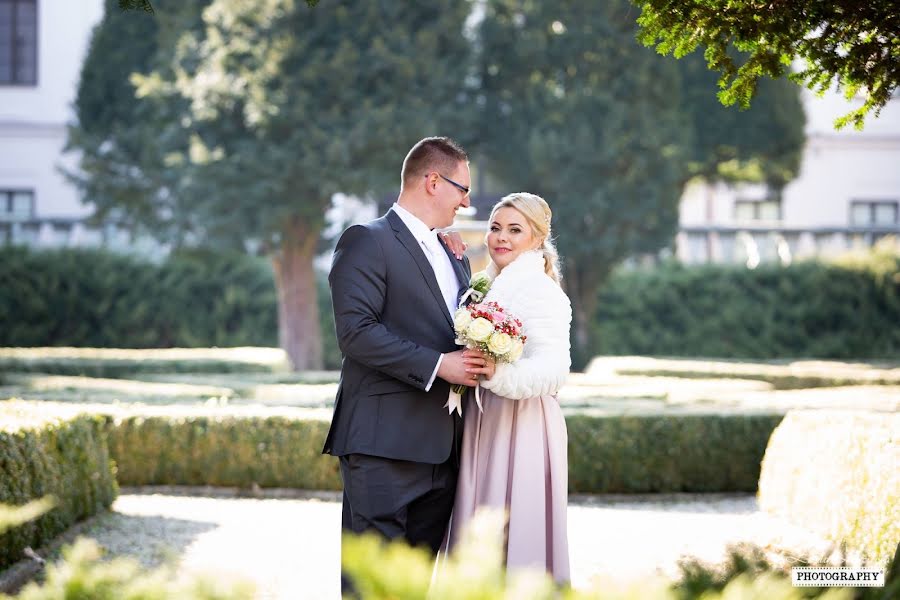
x=123 y=363
x=65 y=458
x=809 y=309
x=273 y=451
x=91 y=297
x=837 y=472
x=83 y=297
x=627 y=454
x=782 y=375
x=667 y=453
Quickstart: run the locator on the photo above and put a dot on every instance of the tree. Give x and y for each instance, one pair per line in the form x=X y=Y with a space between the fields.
x=582 y=115
x=145 y=5
x=845 y=42
x=117 y=138
x=763 y=143
x=268 y=109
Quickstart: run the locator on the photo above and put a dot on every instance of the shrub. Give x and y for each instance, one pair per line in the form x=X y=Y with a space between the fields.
x=64 y=458
x=91 y=297
x=272 y=451
x=694 y=453
x=82 y=574
x=808 y=309
x=667 y=453
x=837 y=472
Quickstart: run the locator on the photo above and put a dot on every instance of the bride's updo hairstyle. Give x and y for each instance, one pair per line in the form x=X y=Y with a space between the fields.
x=538 y=214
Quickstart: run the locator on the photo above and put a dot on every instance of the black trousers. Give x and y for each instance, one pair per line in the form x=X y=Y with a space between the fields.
x=397 y=499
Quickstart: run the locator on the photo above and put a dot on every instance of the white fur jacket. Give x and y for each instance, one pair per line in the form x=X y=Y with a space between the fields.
x=526 y=291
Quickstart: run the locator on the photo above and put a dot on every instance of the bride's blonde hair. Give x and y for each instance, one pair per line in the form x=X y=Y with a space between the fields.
x=538 y=214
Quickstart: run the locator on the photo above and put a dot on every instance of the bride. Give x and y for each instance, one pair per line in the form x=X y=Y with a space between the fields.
x=514 y=453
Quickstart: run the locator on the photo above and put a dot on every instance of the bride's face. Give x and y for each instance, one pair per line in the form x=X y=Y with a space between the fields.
x=509 y=236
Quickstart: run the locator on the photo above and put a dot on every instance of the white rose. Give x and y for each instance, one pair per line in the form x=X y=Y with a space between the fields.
x=515 y=351
x=461 y=319
x=500 y=343
x=480 y=329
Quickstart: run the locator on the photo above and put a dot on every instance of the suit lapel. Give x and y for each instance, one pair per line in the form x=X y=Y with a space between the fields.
x=415 y=250
x=459 y=268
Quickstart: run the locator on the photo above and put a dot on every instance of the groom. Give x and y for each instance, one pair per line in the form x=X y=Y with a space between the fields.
x=394 y=287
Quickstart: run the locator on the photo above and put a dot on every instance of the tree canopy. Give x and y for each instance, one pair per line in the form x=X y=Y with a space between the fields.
x=763 y=143
x=845 y=43
x=146 y=6
x=580 y=114
x=217 y=122
x=253 y=115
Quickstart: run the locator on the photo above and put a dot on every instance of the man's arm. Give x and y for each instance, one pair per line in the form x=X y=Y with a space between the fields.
x=358 y=289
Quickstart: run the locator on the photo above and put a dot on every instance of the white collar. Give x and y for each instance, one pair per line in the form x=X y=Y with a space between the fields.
x=526 y=262
x=420 y=230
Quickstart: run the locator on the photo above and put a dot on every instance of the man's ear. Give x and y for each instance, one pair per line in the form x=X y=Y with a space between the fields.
x=431 y=183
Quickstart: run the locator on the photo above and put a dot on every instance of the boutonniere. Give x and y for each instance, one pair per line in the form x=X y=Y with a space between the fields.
x=479 y=285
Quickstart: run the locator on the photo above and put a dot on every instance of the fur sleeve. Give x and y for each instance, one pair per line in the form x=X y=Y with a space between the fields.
x=544 y=365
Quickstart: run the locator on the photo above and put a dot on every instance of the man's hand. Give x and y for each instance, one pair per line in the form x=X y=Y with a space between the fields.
x=453 y=369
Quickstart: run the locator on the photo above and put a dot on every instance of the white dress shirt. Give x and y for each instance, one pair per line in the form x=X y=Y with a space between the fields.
x=433 y=249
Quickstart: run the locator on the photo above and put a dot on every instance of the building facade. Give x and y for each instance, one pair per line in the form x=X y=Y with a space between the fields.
x=846 y=196
x=42 y=46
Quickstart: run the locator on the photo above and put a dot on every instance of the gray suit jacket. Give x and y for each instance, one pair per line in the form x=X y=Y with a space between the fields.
x=392 y=324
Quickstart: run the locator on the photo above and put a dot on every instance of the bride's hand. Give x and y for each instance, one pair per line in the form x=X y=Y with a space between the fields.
x=454 y=242
x=478 y=363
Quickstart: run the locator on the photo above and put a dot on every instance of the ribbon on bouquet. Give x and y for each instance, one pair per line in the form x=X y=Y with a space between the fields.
x=475 y=294
x=454 y=402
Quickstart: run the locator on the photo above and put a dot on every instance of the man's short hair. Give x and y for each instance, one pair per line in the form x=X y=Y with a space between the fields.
x=432 y=154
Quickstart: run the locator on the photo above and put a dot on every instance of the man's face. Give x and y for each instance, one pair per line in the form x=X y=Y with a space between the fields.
x=450 y=197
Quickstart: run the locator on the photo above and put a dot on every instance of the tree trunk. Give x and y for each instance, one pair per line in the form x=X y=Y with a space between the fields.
x=299 y=330
x=582 y=285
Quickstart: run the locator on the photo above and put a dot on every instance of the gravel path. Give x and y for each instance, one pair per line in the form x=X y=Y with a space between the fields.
x=290 y=546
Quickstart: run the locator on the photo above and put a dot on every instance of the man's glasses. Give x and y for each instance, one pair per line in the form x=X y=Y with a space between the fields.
x=458 y=186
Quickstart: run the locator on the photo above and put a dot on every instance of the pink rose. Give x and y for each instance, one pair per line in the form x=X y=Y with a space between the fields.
x=498 y=317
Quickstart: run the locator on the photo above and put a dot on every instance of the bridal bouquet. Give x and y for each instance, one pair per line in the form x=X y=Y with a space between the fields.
x=491 y=329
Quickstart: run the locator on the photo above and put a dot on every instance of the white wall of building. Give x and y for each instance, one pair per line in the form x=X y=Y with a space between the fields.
x=33 y=118
x=837 y=169
x=842 y=166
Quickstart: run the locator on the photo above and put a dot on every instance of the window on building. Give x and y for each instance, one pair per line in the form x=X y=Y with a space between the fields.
x=18 y=42
x=880 y=213
x=757 y=210
x=16 y=205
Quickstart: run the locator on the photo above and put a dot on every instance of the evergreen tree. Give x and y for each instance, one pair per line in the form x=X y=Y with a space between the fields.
x=579 y=113
x=250 y=122
x=763 y=143
x=843 y=42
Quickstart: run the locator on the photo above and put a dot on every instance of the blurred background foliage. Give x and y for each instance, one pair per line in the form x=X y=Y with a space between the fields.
x=219 y=124
x=200 y=298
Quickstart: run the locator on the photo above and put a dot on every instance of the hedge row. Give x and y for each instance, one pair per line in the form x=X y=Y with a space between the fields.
x=124 y=363
x=691 y=453
x=93 y=298
x=789 y=375
x=667 y=453
x=837 y=472
x=808 y=309
x=66 y=458
x=90 y=297
x=222 y=451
